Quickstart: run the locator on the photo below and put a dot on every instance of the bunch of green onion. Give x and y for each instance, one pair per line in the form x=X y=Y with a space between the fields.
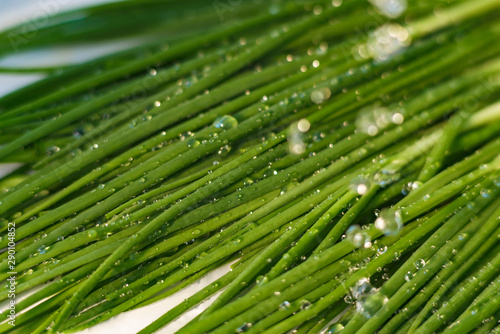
x=342 y=156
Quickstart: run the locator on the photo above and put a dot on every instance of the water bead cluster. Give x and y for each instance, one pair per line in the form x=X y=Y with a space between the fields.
x=389 y=221
x=390 y=8
x=369 y=300
x=418 y=264
x=410 y=186
x=391 y=38
x=386 y=42
x=358 y=237
x=372 y=120
x=386 y=176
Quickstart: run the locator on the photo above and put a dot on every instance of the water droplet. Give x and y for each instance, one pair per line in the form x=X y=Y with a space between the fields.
x=387 y=41
x=52 y=150
x=285 y=305
x=361 y=288
x=486 y=193
x=243 y=328
x=43 y=249
x=358 y=237
x=192 y=143
x=224 y=150
x=225 y=122
x=382 y=250
x=372 y=120
x=318 y=136
x=247 y=182
x=317 y=10
x=386 y=177
x=78 y=133
x=419 y=264
x=305 y=304
x=389 y=222
x=295 y=139
x=397 y=118
x=371 y=303
x=360 y=185
x=303 y=125
x=408 y=187
x=390 y=8
x=321 y=95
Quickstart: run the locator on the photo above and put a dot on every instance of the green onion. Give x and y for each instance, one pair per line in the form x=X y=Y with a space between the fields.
x=341 y=156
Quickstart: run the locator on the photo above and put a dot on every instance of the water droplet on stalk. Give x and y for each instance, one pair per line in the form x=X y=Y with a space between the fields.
x=224 y=150
x=381 y=250
x=43 y=249
x=360 y=185
x=303 y=125
x=225 y=122
x=358 y=237
x=419 y=264
x=371 y=303
x=78 y=133
x=52 y=150
x=320 y=95
x=386 y=177
x=486 y=193
x=305 y=304
x=389 y=222
x=361 y=288
x=337 y=328
x=390 y=8
x=285 y=305
x=387 y=41
x=407 y=188
x=317 y=10
x=192 y=143
x=397 y=118
x=318 y=136
x=243 y=328
x=372 y=120
x=295 y=138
